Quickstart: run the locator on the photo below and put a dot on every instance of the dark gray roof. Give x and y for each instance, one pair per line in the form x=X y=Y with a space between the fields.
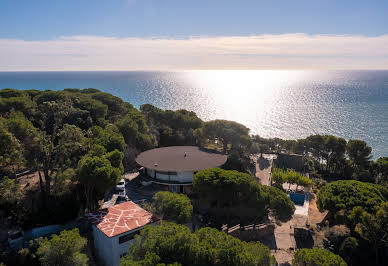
x=173 y=159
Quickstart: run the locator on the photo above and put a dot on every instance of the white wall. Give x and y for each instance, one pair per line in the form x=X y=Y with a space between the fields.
x=185 y=176
x=103 y=246
x=164 y=177
x=179 y=177
x=108 y=248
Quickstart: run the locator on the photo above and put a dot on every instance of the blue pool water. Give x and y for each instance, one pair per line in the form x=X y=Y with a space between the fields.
x=297 y=199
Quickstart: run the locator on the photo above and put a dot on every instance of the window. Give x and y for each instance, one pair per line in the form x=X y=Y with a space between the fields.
x=172 y=173
x=127 y=237
x=174 y=188
x=166 y=173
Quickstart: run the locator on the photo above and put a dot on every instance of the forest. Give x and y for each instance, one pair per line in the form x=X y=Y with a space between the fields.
x=77 y=144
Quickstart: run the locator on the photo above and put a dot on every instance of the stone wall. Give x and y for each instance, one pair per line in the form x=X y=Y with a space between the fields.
x=251 y=232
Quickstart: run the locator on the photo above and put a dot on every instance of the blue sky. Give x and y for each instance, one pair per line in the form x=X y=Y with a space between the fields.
x=45 y=19
x=70 y=24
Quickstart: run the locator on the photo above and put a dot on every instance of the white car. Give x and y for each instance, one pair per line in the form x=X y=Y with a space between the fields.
x=121 y=185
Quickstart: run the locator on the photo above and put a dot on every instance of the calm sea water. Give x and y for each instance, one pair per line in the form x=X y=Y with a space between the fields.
x=285 y=104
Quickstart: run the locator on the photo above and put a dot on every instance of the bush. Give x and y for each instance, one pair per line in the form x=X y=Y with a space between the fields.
x=316 y=257
x=64 y=249
x=174 y=245
x=176 y=207
x=347 y=194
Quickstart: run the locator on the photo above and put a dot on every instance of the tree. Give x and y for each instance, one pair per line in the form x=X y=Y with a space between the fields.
x=374 y=228
x=303 y=181
x=348 y=250
x=176 y=207
x=9 y=192
x=315 y=145
x=172 y=127
x=96 y=175
x=109 y=137
x=381 y=170
x=228 y=132
x=236 y=194
x=278 y=178
x=347 y=194
x=173 y=244
x=290 y=176
x=359 y=153
x=335 y=150
x=64 y=249
x=316 y=257
x=10 y=149
x=72 y=145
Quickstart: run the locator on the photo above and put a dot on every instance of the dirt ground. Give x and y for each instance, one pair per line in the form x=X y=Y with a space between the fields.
x=29 y=181
x=315 y=216
x=282 y=256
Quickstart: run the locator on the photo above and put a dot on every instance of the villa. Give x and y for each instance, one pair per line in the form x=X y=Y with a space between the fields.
x=114 y=229
x=174 y=167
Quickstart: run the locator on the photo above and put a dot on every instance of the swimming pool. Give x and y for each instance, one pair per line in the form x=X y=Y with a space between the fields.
x=297 y=199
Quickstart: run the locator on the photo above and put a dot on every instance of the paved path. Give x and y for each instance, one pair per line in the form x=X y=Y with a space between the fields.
x=263 y=169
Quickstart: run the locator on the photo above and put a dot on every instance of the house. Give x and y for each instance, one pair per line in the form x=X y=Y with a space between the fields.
x=114 y=229
x=174 y=167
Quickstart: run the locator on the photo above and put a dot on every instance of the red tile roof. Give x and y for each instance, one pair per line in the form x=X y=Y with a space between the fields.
x=120 y=218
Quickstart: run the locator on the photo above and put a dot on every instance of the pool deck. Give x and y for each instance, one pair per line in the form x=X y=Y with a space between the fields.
x=303 y=210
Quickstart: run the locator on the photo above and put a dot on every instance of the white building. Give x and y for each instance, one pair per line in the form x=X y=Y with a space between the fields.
x=114 y=229
x=175 y=166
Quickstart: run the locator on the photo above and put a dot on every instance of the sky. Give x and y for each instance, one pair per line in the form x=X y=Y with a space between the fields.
x=182 y=34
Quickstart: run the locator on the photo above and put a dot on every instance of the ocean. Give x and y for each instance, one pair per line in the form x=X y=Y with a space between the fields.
x=272 y=103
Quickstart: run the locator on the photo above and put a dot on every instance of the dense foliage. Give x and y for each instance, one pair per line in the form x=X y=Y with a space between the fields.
x=325 y=156
x=174 y=244
x=381 y=170
x=173 y=206
x=235 y=195
x=316 y=257
x=347 y=194
x=279 y=177
x=173 y=128
x=64 y=249
x=9 y=192
x=228 y=133
x=76 y=143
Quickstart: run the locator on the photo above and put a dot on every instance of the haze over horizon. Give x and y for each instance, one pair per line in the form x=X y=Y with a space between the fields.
x=169 y=35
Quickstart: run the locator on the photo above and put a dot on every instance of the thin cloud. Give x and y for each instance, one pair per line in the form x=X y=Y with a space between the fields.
x=285 y=51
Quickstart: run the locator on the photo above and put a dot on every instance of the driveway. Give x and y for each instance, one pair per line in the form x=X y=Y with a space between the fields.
x=263 y=168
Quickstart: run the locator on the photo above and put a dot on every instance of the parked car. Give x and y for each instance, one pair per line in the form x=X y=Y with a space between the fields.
x=121 y=185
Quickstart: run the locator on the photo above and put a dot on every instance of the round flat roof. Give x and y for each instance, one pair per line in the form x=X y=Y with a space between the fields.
x=180 y=159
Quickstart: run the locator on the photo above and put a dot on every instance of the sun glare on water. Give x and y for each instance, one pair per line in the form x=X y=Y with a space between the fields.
x=243 y=94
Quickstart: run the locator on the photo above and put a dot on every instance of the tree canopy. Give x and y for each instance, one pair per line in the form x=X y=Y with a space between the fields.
x=359 y=152
x=97 y=174
x=279 y=177
x=173 y=206
x=347 y=194
x=227 y=132
x=316 y=257
x=237 y=195
x=63 y=249
x=174 y=244
x=172 y=127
